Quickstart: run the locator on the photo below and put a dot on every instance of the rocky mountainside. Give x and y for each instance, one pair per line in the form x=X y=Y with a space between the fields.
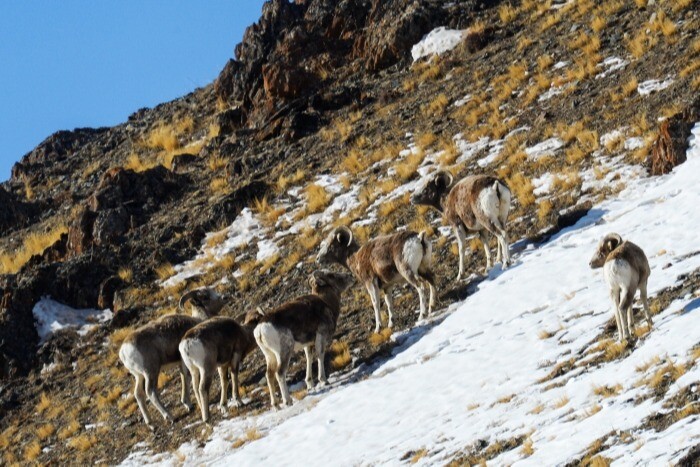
x=323 y=118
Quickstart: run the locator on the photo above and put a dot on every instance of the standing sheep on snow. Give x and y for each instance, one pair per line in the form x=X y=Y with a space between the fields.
x=477 y=203
x=305 y=322
x=382 y=262
x=626 y=269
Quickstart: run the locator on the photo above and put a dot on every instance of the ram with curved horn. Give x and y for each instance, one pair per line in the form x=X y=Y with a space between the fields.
x=477 y=203
x=383 y=262
x=154 y=346
x=626 y=269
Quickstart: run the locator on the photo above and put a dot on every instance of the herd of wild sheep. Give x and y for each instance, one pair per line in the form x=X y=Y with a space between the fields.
x=204 y=342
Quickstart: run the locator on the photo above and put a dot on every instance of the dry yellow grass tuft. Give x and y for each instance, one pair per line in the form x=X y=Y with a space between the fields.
x=219 y=185
x=507 y=13
x=216 y=163
x=83 y=442
x=269 y=262
x=267 y=213
x=437 y=106
x=377 y=339
x=598 y=23
x=69 y=430
x=550 y=20
x=44 y=431
x=340 y=355
x=561 y=402
x=522 y=187
x=407 y=167
x=284 y=181
x=251 y=434
x=630 y=87
x=607 y=391
x=355 y=162
x=32 y=451
x=33 y=244
x=527 y=449
x=44 y=403
x=165 y=271
x=420 y=454
x=537 y=409
x=317 y=198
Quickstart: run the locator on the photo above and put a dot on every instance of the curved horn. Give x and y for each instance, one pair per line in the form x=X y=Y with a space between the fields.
x=445 y=177
x=613 y=237
x=185 y=297
x=343 y=230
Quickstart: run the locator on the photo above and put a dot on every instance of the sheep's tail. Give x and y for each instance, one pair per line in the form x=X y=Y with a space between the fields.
x=425 y=270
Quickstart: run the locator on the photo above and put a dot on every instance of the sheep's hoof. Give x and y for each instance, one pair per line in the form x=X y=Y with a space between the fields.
x=223 y=409
x=151 y=426
x=188 y=407
x=321 y=384
x=309 y=385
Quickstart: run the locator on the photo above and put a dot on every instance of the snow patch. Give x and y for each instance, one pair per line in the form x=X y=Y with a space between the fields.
x=436 y=42
x=52 y=316
x=547 y=147
x=653 y=85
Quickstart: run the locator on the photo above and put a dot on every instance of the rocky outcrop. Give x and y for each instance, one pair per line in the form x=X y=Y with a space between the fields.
x=298 y=49
x=14 y=213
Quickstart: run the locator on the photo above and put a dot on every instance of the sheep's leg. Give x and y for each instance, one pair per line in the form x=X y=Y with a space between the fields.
x=627 y=298
x=271 y=368
x=185 y=394
x=503 y=254
x=223 y=378
x=195 y=385
x=204 y=385
x=235 y=368
x=140 y=396
x=389 y=306
x=643 y=293
x=373 y=290
x=461 y=246
x=621 y=312
x=431 y=303
x=152 y=393
x=281 y=375
x=309 y=358
x=615 y=296
x=413 y=279
x=320 y=354
x=487 y=250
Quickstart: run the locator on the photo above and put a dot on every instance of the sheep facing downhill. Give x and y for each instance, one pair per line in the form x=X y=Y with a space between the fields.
x=478 y=203
x=154 y=346
x=382 y=262
x=217 y=343
x=626 y=269
x=306 y=322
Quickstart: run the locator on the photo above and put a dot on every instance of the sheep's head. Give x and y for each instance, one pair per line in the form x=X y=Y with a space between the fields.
x=606 y=246
x=252 y=318
x=336 y=247
x=434 y=188
x=204 y=302
x=325 y=279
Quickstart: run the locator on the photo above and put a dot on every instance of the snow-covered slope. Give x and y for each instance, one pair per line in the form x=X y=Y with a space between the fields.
x=482 y=373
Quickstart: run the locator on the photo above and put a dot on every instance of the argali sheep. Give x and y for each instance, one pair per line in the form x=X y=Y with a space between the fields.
x=382 y=262
x=154 y=346
x=217 y=343
x=477 y=203
x=305 y=322
x=626 y=269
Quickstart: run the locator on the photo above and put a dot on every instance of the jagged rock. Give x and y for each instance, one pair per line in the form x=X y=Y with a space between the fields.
x=227 y=209
x=286 y=81
x=231 y=120
x=669 y=148
x=108 y=288
x=110 y=225
x=14 y=213
x=80 y=232
x=124 y=187
x=182 y=161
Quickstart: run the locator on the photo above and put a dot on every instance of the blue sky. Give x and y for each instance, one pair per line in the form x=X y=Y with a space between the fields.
x=68 y=64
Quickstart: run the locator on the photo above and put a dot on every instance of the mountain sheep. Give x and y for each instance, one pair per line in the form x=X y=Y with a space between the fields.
x=626 y=269
x=154 y=346
x=220 y=343
x=304 y=322
x=382 y=262
x=478 y=203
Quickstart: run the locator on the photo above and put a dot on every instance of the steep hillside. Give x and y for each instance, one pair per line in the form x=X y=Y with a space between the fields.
x=324 y=118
